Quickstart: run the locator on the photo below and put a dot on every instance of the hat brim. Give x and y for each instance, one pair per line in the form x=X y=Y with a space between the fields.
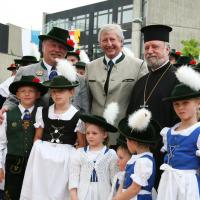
x=46 y=37
x=13 y=88
x=49 y=85
x=127 y=132
x=182 y=97
x=12 y=68
x=18 y=61
x=97 y=121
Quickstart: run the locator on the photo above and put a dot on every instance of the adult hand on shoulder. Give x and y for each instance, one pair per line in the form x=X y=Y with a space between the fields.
x=2 y=111
x=2 y=176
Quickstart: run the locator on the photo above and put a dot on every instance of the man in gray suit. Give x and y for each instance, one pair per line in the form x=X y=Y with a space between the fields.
x=112 y=77
x=55 y=44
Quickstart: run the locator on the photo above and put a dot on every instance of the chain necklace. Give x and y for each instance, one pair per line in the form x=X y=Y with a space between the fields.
x=151 y=92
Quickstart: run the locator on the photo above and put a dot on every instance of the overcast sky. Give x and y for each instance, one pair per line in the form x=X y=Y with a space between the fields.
x=28 y=14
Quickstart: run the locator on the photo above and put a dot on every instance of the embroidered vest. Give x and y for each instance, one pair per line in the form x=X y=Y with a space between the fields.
x=59 y=131
x=20 y=133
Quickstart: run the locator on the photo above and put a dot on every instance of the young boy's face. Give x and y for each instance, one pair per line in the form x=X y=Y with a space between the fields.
x=27 y=95
x=95 y=135
x=61 y=96
x=123 y=157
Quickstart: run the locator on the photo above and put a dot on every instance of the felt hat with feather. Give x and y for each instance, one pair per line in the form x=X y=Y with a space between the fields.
x=189 y=86
x=66 y=78
x=107 y=121
x=140 y=127
x=60 y=35
x=27 y=81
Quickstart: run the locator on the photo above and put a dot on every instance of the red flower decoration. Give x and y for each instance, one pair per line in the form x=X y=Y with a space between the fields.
x=77 y=51
x=70 y=42
x=36 y=80
x=192 y=62
x=178 y=53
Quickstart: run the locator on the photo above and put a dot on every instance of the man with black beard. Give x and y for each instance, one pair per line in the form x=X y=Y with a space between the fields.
x=150 y=89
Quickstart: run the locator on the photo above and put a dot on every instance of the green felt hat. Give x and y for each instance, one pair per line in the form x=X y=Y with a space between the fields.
x=99 y=121
x=175 y=54
x=80 y=65
x=183 y=60
x=26 y=60
x=27 y=81
x=181 y=92
x=60 y=82
x=74 y=53
x=150 y=135
x=60 y=35
x=12 y=67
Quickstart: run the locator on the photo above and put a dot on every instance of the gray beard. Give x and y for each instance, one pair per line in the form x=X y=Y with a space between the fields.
x=155 y=63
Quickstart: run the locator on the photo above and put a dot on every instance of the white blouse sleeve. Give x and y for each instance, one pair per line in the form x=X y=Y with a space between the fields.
x=198 y=147
x=75 y=169
x=80 y=127
x=142 y=171
x=163 y=133
x=39 y=123
x=113 y=165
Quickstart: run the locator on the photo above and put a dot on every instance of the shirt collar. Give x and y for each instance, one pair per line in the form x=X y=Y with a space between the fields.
x=47 y=66
x=114 y=59
x=22 y=109
x=160 y=66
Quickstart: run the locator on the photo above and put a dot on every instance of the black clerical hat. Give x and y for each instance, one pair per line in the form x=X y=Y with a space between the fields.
x=156 y=32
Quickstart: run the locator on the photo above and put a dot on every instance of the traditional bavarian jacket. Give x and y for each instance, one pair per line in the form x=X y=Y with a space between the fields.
x=84 y=171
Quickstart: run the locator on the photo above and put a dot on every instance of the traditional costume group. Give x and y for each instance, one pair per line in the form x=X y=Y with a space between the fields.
x=49 y=168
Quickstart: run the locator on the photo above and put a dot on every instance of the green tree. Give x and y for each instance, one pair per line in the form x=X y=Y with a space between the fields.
x=191 y=48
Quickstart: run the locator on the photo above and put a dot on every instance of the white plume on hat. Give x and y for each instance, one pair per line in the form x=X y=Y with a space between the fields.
x=140 y=119
x=189 y=77
x=111 y=112
x=34 y=51
x=84 y=57
x=66 y=69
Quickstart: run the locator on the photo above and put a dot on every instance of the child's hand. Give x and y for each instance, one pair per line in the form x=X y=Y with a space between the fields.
x=2 y=175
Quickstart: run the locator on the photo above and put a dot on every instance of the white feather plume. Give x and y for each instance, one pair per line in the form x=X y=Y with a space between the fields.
x=128 y=52
x=189 y=77
x=111 y=112
x=84 y=57
x=66 y=69
x=34 y=51
x=140 y=119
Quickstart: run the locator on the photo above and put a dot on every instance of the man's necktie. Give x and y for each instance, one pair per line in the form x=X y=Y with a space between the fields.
x=110 y=64
x=53 y=73
x=27 y=115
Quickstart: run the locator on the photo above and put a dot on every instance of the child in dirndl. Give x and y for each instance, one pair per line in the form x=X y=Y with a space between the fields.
x=94 y=166
x=180 y=179
x=141 y=132
x=58 y=128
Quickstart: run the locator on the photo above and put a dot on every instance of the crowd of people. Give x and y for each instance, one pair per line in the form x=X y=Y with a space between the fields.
x=115 y=128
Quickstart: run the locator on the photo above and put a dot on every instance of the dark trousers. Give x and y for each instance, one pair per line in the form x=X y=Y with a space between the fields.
x=15 y=168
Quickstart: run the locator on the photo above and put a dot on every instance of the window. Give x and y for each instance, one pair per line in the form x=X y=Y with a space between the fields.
x=101 y=18
x=81 y=22
x=125 y=14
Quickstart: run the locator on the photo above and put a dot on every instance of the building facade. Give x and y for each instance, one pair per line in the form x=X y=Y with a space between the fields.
x=89 y=19
x=181 y=15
